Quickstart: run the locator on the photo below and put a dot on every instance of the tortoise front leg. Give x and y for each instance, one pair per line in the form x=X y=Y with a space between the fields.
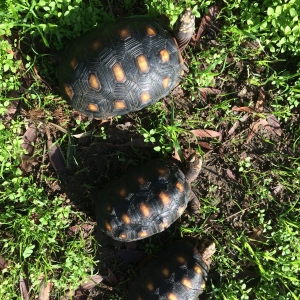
x=194 y=204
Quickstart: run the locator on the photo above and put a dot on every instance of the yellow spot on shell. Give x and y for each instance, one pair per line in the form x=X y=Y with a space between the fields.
x=126 y=219
x=162 y=171
x=181 y=210
x=69 y=91
x=123 y=236
x=145 y=97
x=165 y=272
x=118 y=72
x=95 y=45
x=163 y=225
x=143 y=234
x=142 y=63
x=164 y=55
x=165 y=198
x=108 y=226
x=186 y=282
x=145 y=210
x=74 y=63
x=179 y=186
x=108 y=208
x=172 y=296
x=203 y=285
x=94 y=82
x=198 y=269
x=93 y=107
x=150 y=286
x=165 y=82
x=120 y=104
x=180 y=259
x=124 y=33
x=150 y=31
x=141 y=180
x=123 y=192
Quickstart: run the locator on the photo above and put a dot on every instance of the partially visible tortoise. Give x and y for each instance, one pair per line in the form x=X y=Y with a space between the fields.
x=178 y=272
x=124 y=66
x=147 y=199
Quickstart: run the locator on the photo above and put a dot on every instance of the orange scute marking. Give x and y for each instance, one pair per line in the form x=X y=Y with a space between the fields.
x=181 y=210
x=145 y=97
x=118 y=72
x=142 y=63
x=120 y=104
x=124 y=33
x=143 y=234
x=95 y=45
x=141 y=180
x=150 y=286
x=165 y=198
x=123 y=236
x=69 y=91
x=94 y=82
x=126 y=219
x=93 y=107
x=145 y=210
x=108 y=226
x=186 y=282
x=198 y=269
x=180 y=259
x=150 y=31
x=165 y=272
x=164 y=55
x=172 y=296
x=203 y=285
x=165 y=82
x=179 y=186
x=74 y=63
x=162 y=171
x=123 y=192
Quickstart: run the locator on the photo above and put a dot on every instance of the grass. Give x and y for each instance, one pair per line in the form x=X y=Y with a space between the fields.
x=253 y=217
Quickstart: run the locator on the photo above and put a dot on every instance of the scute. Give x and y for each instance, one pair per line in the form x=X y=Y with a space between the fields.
x=127 y=59
x=171 y=279
x=148 y=196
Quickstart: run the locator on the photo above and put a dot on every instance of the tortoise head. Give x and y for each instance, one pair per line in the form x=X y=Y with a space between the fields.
x=193 y=166
x=184 y=28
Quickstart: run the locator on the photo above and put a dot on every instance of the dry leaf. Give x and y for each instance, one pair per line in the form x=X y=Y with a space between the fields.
x=3 y=263
x=276 y=190
x=45 y=289
x=91 y=282
x=29 y=139
x=208 y=91
x=111 y=278
x=243 y=108
x=254 y=128
x=274 y=124
x=205 y=133
x=24 y=289
x=259 y=106
x=205 y=145
x=230 y=174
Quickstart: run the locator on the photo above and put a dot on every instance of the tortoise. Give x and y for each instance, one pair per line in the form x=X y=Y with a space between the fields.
x=147 y=199
x=124 y=66
x=178 y=272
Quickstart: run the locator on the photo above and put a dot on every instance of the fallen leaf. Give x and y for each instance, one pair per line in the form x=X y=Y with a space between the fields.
x=205 y=145
x=243 y=108
x=45 y=289
x=29 y=139
x=57 y=161
x=205 y=133
x=276 y=190
x=111 y=278
x=254 y=128
x=208 y=91
x=259 y=106
x=274 y=124
x=131 y=255
x=3 y=263
x=230 y=174
x=91 y=282
x=24 y=289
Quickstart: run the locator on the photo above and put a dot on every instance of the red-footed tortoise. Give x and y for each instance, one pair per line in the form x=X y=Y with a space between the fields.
x=147 y=199
x=178 y=272
x=124 y=66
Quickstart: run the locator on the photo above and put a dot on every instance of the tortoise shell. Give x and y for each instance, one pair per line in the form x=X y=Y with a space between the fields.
x=178 y=272
x=144 y=201
x=120 y=68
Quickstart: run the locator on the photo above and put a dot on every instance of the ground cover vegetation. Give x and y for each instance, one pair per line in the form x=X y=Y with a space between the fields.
x=238 y=106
